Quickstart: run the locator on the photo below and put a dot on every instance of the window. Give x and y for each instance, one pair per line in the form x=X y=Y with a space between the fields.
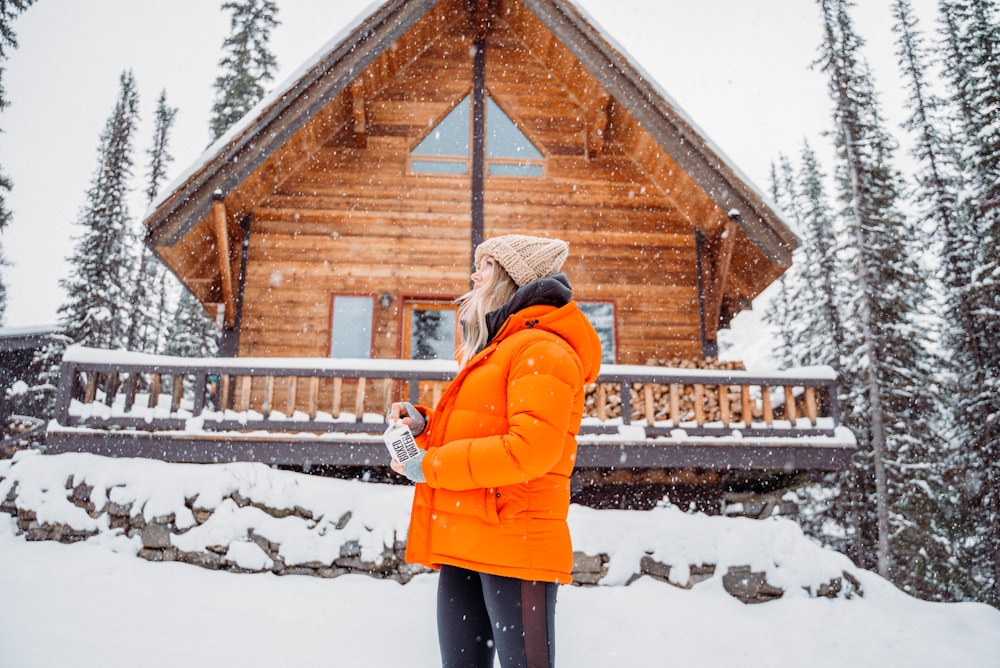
x=447 y=148
x=602 y=317
x=508 y=151
x=351 y=327
x=431 y=330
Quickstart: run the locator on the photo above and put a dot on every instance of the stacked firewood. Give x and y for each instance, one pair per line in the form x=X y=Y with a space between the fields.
x=658 y=395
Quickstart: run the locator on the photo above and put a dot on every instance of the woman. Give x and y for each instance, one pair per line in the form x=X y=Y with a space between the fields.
x=492 y=494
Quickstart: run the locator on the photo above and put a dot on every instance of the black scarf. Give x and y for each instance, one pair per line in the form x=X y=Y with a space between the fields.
x=550 y=291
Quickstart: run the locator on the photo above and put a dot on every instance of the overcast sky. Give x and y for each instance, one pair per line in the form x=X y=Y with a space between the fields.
x=740 y=69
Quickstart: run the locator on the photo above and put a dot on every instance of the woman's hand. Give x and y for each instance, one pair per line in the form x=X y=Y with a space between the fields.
x=405 y=412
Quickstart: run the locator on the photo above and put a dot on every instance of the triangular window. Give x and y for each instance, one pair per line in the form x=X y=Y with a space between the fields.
x=446 y=149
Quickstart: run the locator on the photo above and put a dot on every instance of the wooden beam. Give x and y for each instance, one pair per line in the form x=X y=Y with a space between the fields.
x=225 y=258
x=358 y=106
x=599 y=125
x=483 y=10
x=723 y=261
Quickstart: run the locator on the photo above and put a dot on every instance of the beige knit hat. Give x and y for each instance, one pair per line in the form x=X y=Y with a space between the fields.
x=525 y=258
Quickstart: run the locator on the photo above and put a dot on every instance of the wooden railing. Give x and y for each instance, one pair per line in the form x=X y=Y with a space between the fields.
x=112 y=392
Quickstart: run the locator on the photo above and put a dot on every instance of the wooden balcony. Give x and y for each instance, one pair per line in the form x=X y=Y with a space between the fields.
x=331 y=412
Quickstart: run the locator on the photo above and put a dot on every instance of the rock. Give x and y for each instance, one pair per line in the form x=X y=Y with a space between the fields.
x=588 y=570
x=80 y=497
x=119 y=509
x=156 y=536
x=655 y=569
x=749 y=586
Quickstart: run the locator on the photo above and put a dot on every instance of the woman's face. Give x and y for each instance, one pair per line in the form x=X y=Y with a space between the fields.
x=483 y=273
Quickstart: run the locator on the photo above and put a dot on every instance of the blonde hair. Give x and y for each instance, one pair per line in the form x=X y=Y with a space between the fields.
x=476 y=303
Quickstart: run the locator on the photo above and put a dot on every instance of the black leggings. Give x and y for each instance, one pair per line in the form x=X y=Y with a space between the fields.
x=479 y=615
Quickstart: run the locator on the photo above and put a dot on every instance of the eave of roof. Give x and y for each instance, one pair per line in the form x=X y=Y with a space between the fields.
x=667 y=123
x=240 y=151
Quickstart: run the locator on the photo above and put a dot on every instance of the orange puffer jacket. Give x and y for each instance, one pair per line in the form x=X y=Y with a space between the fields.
x=501 y=445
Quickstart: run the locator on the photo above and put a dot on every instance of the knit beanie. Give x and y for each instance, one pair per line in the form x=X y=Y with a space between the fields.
x=525 y=258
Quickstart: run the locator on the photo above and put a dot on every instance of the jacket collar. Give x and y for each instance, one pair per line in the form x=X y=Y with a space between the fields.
x=548 y=291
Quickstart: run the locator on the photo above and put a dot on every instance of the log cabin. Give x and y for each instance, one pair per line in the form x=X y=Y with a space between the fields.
x=340 y=217
x=337 y=221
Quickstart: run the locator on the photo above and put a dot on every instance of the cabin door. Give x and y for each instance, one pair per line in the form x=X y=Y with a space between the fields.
x=430 y=331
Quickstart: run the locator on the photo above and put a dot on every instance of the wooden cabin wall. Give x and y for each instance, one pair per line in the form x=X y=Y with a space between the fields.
x=351 y=219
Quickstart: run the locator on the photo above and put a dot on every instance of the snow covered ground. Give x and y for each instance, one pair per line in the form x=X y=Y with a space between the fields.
x=95 y=603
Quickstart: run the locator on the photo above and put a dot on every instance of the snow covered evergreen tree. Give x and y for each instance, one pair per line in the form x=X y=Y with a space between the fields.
x=247 y=64
x=97 y=308
x=813 y=329
x=971 y=31
x=889 y=378
x=191 y=332
x=9 y=10
x=938 y=188
x=779 y=313
x=148 y=325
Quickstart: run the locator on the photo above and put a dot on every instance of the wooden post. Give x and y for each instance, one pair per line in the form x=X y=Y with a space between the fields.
x=699 y=404
x=225 y=391
x=812 y=411
x=745 y=407
x=225 y=258
x=724 y=404
x=313 y=400
x=154 y=390
x=437 y=389
x=178 y=393
x=338 y=394
x=765 y=395
x=91 y=393
x=359 y=399
x=675 y=404
x=647 y=394
x=246 y=385
x=791 y=413
x=268 y=404
x=293 y=386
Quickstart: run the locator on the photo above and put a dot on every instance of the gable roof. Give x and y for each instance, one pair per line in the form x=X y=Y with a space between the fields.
x=272 y=122
x=611 y=92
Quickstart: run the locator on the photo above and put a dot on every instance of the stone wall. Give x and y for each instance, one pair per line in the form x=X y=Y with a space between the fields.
x=158 y=539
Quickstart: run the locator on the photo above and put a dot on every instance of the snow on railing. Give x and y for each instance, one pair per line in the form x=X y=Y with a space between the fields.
x=346 y=400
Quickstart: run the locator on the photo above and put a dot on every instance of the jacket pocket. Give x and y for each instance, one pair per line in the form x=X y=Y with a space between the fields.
x=478 y=503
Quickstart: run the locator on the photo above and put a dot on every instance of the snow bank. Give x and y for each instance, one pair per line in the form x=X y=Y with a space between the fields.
x=310 y=520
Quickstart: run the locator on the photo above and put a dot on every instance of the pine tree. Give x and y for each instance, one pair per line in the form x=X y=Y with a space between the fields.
x=971 y=31
x=191 y=332
x=888 y=376
x=813 y=330
x=149 y=292
x=247 y=64
x=824 y=338
x=938 y=186
x=9 y=10
x=96 y=312
x=779 y=310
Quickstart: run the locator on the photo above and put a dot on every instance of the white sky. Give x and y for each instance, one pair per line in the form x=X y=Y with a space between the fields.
x=741 y=70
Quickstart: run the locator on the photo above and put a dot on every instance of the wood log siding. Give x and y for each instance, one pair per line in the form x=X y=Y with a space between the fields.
x=267 y=397
x=341 y=219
